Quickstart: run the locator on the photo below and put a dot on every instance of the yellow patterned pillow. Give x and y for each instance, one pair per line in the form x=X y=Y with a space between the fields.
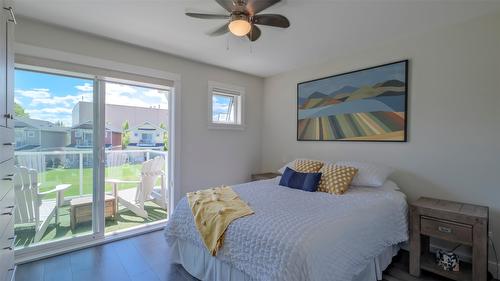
x=336 y=179
x=307 y=166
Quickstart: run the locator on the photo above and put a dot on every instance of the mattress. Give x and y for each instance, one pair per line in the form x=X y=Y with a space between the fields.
x=297 y=235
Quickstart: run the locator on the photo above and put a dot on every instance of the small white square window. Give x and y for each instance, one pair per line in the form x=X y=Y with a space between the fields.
x=225 y=106
x=31 y=134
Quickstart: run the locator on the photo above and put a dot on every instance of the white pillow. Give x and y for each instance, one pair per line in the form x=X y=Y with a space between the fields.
x=369 y=174
x=291 y=164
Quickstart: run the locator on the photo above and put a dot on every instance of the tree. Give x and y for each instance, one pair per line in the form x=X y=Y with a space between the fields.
x=165 y=137
x=125 y=134
x=19 y=111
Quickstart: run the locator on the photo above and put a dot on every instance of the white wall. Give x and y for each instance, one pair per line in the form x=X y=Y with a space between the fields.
x=208 y=157
x=454 y=116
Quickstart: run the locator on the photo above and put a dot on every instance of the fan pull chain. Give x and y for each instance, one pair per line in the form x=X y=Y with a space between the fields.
x=251 y=43
x=227 y=42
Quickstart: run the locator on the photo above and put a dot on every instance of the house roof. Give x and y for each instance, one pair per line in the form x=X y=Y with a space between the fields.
x=23 y=122
x=89 y=125
x=145 y=126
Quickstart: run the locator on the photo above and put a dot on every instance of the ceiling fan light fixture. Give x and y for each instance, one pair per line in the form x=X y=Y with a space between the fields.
x=239 y=25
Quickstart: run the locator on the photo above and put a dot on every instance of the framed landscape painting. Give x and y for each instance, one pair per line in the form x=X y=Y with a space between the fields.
x=363 y=105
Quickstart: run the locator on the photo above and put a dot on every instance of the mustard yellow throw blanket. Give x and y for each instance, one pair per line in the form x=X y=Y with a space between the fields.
x=213 y=210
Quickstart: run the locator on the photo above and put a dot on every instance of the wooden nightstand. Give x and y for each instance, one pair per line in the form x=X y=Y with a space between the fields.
x=264 y=176
x=461 y=223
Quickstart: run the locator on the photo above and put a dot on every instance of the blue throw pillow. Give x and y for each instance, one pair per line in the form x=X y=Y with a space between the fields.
x=304 y=181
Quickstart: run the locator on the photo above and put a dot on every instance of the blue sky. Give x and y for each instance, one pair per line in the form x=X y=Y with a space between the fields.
x=220 y=107
x=356 y=79
x=52 y=97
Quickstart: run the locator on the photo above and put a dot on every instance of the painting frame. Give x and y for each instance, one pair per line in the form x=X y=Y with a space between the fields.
x=405 y=62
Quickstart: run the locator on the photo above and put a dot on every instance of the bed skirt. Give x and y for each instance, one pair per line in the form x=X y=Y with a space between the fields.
x=203 y=266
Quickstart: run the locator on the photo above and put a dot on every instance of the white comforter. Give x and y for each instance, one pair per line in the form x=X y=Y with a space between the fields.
x=297 y=235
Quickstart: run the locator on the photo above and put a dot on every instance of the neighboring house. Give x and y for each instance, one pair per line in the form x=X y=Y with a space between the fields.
x=82 y=136
x=113 y=138
x=146 y=135
x=117 y=114
x=34 y=134
x=144 y=125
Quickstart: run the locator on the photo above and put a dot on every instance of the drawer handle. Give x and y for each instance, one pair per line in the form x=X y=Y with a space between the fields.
x=9 y=213
x=7 y=179
x=11 y=247
x=8 y=143
x=444 y=229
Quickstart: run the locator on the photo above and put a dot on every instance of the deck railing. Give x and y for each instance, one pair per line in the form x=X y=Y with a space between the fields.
x=44 y=161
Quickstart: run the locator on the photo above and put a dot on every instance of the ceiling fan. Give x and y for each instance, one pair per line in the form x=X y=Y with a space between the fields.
x=243 y=17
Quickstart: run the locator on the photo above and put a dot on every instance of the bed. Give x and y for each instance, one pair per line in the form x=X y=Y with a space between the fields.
x=297 y=235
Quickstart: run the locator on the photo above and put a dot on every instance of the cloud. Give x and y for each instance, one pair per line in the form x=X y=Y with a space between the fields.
x=119 y=89
x=44 y=96
x=86 y=87
x=220 y=109
x=34 y=93
x=68 y=100
x=159 y=97
x=220 y=105
x=119 y=99
x=120 y=94
x=49 y=110
x=51 y=114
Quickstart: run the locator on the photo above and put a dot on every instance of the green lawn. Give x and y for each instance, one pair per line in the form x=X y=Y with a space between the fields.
x=51 y=178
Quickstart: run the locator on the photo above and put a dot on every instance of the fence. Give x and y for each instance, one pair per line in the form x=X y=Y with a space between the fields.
x=44 y=161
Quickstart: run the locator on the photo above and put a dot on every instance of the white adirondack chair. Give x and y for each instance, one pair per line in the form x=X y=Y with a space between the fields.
x=134 y=198
x=30 y=208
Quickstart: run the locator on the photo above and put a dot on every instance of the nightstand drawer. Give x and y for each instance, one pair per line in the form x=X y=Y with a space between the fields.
x=448 y=230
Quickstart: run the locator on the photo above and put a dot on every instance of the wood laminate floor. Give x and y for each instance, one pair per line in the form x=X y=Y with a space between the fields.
x=143 y=258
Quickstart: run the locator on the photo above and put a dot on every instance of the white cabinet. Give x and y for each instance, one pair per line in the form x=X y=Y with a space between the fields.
x=9 y=72
x=7 y=207
x=3 y=66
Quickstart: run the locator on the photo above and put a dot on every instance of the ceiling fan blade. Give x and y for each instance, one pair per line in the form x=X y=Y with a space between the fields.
x=226 y=4
x=254 y=33
x=256 y=6
x=271 y=20
x=220 y=31
x=207 y=16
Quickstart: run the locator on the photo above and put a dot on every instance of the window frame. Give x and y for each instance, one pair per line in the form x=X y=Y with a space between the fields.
x=238 y=94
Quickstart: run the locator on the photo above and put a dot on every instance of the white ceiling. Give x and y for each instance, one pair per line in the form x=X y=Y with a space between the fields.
x=320 y=30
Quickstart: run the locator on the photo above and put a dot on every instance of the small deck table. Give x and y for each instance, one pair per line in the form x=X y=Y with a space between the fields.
x=81 y=209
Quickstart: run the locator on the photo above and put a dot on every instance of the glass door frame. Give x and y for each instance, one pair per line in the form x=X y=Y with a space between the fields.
x=97 y=235
x=100 y=224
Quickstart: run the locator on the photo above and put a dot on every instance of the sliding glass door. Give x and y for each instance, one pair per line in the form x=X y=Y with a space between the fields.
x=91 y=156
x=136 y=141
x=53 y=157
